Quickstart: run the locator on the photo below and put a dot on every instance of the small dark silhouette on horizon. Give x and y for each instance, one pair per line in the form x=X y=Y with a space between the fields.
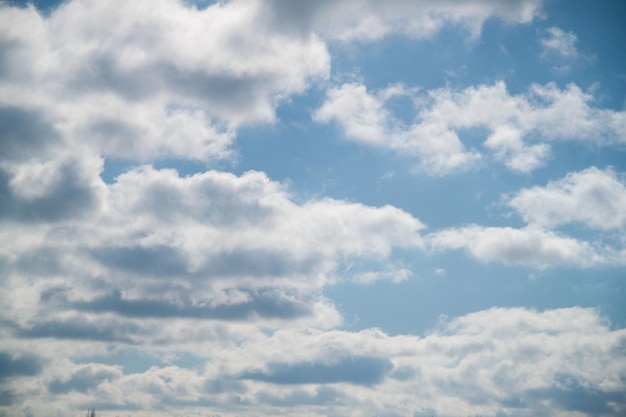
x=91 y=413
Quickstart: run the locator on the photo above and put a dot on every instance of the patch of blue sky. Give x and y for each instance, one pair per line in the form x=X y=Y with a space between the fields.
x=132 y=361
x=599 y=31
x=136 y=361
x=453 y=285
x=44 y=6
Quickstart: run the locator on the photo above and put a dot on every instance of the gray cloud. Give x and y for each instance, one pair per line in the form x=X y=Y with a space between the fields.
x=262 y=304
x=125 y=133
x=224 y=385
x=25 y=133
x=81 y=329
x=43 y=261
x=22 y=365
x=219 y=92
x=68 y=194
x=8 y=205
x=7 y=398
x=404 y=373
x=69 y=197
x=258 y=262
x=83 y=379
x=211 y=197
x=164 y=261
x=569 y=394
x=61 y=190
x=359 y=370
x=107 y=406
x=159 y=261
x=323 y=396
x=370 y=19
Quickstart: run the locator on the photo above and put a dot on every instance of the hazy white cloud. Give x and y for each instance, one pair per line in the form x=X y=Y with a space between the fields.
x=394 y=275
x=593 y=197
x=143 y=80
x=507 y=145
x=435 y=138
x=531 y=246
x=370 y=19
x=501 y=360
x=561 y=43
x=364 y=118
x=361 y=114
x=212 y=246
x=544 y=112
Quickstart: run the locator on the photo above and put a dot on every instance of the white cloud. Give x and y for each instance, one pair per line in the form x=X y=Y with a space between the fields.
x=370 y=19
x=211 y=246
x=393 y=275
x=507 y=145
x=532 y=246
x=501 y=360
x=442 y=117
x=561 y=43
x=365 y=119
x=593 y=197
x=362 y=115
x=546 y=112
x=143 y=81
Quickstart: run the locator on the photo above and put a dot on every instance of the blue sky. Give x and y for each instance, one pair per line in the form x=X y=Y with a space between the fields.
x=281 y=208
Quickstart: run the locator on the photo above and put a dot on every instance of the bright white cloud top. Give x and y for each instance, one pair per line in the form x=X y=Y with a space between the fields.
x=282 y=208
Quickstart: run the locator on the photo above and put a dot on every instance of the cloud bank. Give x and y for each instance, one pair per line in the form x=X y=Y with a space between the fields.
x=518 y=129
x=514 y=360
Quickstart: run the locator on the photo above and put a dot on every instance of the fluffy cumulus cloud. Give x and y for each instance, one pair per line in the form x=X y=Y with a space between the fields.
x=150 y=80
x=530 y=246
x=147 y=80
x=498 y=361
x=188 y=264
x=593 y=198
x=364 y=118
x=209 y=246
x=518 y=128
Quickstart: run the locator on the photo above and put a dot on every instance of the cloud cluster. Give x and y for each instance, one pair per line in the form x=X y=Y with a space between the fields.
x=509 y=361
x=593 y=198
x=166 y=264
x=142 y=81
x=518 y=128
x=212 y=246
x=146 y=81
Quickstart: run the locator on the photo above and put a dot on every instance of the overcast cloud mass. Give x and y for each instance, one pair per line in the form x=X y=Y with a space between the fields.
x=324 y=208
